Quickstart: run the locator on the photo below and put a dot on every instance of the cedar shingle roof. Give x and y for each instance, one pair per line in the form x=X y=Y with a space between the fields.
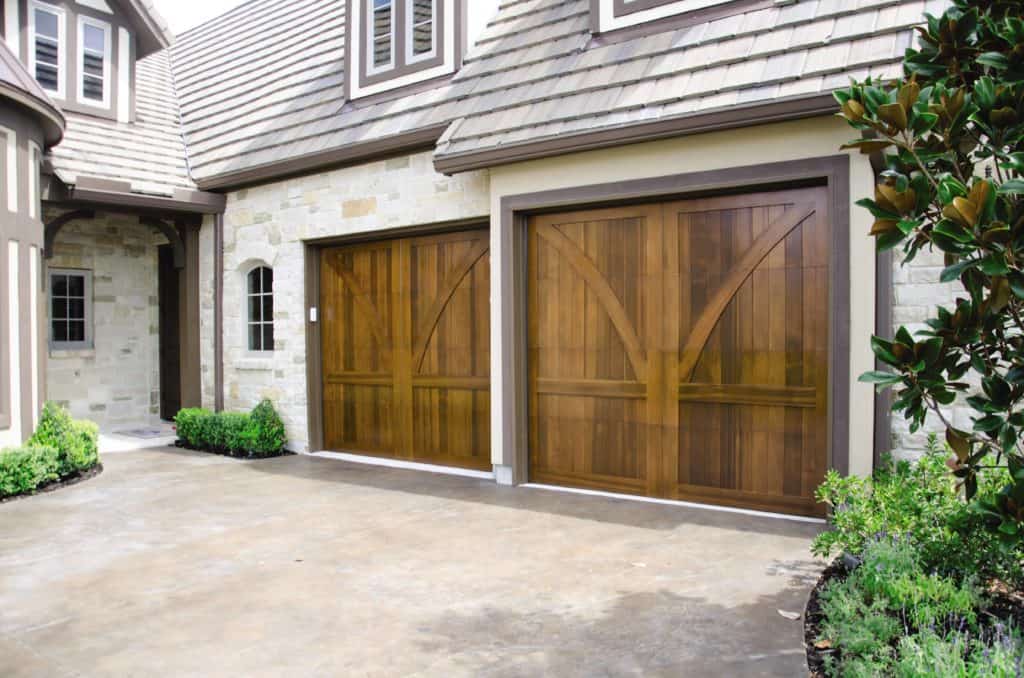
x=264 y=83
x=149 y=153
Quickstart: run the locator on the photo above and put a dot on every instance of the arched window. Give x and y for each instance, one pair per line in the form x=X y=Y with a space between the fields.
x=260 y=298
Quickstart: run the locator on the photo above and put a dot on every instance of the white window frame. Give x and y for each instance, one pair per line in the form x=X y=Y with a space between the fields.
x=371 y=38
x=62 y=44
x=410 y=33
x=108 y=55
x=87 y=343
x=607 y=21
x=249 y=322
x=35 y=157
x=10 y=167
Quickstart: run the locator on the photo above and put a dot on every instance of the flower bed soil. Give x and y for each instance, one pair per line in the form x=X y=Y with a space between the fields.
x=55 y=485
x=232 y=453
x=1006 y=607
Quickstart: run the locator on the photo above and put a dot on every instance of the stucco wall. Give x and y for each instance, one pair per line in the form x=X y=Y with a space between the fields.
x=269 y=224
x=818 y=137
x=116 y=383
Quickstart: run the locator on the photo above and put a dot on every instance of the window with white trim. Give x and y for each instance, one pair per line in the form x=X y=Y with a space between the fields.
x=381 y=33
x=616 y=14
x=9 y=168
x=48 y=46
x=260 y=308
x=94 y=57
x=421 y=31
x=401 y=42
x=70 y=309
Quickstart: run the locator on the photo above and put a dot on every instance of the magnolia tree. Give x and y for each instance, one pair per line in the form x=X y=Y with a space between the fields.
x=951 y=133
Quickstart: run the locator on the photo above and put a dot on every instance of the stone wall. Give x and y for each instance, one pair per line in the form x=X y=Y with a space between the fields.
x=267 y=225
x=116 y=383
x=916 y=292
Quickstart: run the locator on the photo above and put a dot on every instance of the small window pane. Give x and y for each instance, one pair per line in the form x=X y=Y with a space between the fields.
x=268 y=280
x=76 y=309
x=268 y=337
x=76 y=285
x=95 y=38
x=254 y=281
x=76 y=330
x=383 y=27
x=46 y=76
x=423 y=39
x=46 y=24
x=60 y=330
x=254 y=309
x=255 y=338
x=60 y=308
x=268 y=307
x=60 y=285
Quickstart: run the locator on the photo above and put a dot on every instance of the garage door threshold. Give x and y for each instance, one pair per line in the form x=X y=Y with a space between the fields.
x=675 y=502
x=408 y=465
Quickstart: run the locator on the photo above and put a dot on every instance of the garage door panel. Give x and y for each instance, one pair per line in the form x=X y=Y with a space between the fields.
x=406 y=348
x=723 y=314
x=590 y=437
x=452 y=426
x=358 y=417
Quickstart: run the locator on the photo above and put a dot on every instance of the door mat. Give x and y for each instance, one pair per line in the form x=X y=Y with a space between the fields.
x=146 y=433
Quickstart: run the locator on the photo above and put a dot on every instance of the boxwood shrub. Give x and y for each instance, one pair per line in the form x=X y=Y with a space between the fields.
x=60 y=448
x=259 y=433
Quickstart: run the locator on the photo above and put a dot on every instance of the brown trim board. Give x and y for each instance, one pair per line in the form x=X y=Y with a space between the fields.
x=354 y=154
x=671 y=22
x=712 y=121
x=218 y=312
x=188 y=320
x=834 y=171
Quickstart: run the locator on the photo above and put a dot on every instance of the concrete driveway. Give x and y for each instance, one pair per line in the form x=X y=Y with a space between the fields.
x=173 y=563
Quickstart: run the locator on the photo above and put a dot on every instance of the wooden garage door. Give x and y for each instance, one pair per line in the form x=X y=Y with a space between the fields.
x=680 y=350
x=406 y=349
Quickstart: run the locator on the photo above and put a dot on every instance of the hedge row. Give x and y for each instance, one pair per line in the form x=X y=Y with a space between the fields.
x=259 y=433
x=61 y=448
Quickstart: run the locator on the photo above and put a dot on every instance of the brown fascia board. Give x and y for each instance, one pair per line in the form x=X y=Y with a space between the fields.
x=153 y=36
x=118 y=194
x=51 y=119
x=330 y=159
x=700 y=123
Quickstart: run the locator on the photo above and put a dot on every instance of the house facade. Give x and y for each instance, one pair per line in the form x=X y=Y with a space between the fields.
x=607 y=244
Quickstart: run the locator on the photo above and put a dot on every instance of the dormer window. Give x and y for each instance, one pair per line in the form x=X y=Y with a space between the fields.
x=420 y=34
x=94 y=46
x=402 y=42
x=612 y=15
x=382 y=34
x=49 y=44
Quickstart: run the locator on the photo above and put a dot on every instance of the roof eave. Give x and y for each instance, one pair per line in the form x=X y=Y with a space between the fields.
x=147 y=19
x=425 y=138
x=778 y=110
x=105 y=193
x=53 y=121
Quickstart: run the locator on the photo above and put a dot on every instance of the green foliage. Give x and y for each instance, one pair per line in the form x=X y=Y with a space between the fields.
x=24 y=469
x=266 y=433
x=259 y=433
x=951 y=135
x=888 y=599
x=191 y=424
x=234 y=427
x=918 y=503
x=77 y=442
x=961 y=654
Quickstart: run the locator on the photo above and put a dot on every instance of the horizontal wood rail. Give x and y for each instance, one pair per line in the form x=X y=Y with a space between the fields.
x=749 y=394
x=594 y=388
